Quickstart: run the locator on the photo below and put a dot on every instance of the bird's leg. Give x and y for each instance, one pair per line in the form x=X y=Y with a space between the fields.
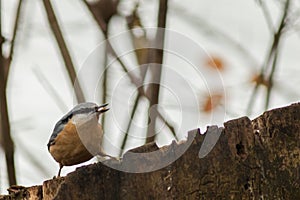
x=60 y=167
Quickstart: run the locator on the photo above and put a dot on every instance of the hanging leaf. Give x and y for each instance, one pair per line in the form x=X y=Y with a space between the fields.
x=259 y=79
x=211 y=102
x=215 y=62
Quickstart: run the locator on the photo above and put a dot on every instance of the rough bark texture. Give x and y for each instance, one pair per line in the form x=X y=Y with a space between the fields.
x=258 y=159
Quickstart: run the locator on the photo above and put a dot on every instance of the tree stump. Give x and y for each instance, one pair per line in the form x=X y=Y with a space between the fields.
x=258 y=159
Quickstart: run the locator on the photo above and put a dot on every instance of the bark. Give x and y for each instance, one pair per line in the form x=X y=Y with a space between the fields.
x=258 y=159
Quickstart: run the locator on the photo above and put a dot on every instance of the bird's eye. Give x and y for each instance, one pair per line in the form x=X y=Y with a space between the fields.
x=67 y=119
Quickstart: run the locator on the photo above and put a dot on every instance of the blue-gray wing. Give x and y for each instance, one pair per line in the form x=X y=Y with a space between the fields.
x=59 y=126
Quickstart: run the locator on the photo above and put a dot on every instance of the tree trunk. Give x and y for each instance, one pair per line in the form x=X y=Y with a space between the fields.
x=258 y=159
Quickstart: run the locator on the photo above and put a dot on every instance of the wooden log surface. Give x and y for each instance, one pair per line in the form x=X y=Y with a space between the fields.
x=252 y=159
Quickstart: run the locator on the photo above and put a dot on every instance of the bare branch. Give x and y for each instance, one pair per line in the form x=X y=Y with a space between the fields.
x=63 y=50
x=157 y=57
x=271 y=60
x=137 y=81
x=270 y=80
x=136 y=102
x=277 y=39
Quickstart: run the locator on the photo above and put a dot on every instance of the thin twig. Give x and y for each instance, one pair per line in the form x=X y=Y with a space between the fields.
x=145 y=59
x=270 y=61
x=277 y=39
x=270 y=80
x=63 y=50
x=136 y=102
x=7 y=144
x=170 y=127
x=135 y=80
x=104 y=99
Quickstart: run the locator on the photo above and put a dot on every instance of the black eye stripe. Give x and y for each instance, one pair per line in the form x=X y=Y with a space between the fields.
x=84 y=111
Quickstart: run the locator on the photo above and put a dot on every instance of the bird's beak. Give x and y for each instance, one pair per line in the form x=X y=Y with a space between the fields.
x=102 y=108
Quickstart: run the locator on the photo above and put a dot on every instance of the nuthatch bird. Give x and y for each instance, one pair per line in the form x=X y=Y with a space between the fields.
x=77 y=136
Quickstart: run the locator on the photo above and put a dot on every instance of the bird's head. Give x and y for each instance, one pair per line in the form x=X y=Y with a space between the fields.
x=86 y=110
x=80 y=114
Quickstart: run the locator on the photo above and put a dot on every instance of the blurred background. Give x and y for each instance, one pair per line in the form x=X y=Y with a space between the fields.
x=223 y=60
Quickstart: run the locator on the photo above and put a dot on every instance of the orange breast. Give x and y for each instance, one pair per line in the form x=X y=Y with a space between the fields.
x=71 y=148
